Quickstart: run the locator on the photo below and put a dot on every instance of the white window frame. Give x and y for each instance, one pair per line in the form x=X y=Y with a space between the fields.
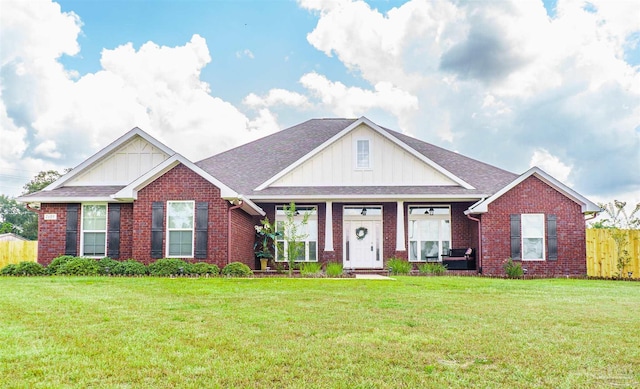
x=281 y=242
x=104 y=231
x=192 y=229
x=541 y=218
x=411 y=218
x=356 y=160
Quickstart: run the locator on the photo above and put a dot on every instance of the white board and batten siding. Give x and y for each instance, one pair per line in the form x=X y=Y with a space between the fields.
x=335 y=165
x=123 y=165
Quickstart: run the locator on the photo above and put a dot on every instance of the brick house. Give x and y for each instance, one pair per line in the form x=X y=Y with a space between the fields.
x=371 y=193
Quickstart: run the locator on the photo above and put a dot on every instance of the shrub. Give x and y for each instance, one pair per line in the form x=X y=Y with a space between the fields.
x=29 y=269
x=236 y=269
x=311 y=269
x=79 y=266
x=513 y=269
x=399 y=266
x=9 y=270
x=52 y=268
x=130 y=267
x=108 y=265
x=437 y=269
x=334 y=269
x=168 y=266
x=203 y=268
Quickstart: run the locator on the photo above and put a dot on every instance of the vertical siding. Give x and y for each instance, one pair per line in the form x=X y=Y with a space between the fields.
x=18 y=251
x=602 y=254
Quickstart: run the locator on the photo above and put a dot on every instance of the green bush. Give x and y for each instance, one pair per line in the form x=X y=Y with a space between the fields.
x=513 y=269
x=9 y=270
x=311 y=269
x=437 y=269
x=168 y=266
x=203 y=268
x=29 y=269
x=334 y=269
x=79 y=266
x=52 y=268
x=237 y=269
x=399 y=266
x=130 y=267
x=107 y=265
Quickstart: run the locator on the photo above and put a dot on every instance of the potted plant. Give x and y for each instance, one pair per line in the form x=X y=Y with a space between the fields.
x=264 y=247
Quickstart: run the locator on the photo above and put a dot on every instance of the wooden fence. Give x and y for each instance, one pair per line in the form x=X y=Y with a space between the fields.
x=602 y=254
x=18 y=251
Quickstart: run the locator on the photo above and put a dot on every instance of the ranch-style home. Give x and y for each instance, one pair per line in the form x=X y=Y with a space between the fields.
x=371 y=194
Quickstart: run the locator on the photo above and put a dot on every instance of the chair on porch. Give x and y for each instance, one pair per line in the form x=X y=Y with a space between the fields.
x=460 y=259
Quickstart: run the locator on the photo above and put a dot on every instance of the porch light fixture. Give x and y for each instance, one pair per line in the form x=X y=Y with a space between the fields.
x=430 y=211
x=364 y=212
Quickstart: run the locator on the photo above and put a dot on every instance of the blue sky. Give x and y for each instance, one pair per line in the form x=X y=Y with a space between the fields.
x=512 y=83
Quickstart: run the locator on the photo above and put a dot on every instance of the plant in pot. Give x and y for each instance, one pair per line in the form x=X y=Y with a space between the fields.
x=264 y=247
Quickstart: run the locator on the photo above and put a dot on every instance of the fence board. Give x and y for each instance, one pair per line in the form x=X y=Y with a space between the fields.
x=18 y=251
x=602 y=254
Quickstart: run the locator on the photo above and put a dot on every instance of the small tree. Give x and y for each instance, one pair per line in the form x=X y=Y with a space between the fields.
x=266 y=236
x=292 y=234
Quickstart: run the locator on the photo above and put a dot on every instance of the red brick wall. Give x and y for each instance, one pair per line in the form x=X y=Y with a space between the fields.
x=126 y=231
x=243 y=237
x=180 y=183
x=52 y=233
x=534 y=196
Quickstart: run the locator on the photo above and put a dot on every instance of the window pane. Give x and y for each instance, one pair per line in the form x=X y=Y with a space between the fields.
x=430 y=249
x=363 y=154
x=533 y=226
x=94 y=217
x=413 y=250
x=94 y=244
x=312 y=251
x=180 y=243
x=532 y=248
x=180 y=214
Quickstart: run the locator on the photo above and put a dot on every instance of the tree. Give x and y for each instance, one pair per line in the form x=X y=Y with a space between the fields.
x=17 y=218
x=291 y=232
x=615 y=216
x=42 y=180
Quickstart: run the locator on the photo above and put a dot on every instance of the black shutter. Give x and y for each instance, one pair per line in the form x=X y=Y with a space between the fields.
x=113 y=232
x=515 y=237
x=157 y=219
x=71 y=236
x=552 y=238
x=202 y=224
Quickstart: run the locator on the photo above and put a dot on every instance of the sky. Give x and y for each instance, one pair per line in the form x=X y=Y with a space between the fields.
x=514 y=83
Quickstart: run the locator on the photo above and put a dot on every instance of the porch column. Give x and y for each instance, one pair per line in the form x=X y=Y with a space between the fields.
x=400 y=246
x=328 y=226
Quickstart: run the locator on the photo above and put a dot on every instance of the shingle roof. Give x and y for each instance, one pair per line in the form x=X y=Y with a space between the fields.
x=246 y=167
x=66 y=192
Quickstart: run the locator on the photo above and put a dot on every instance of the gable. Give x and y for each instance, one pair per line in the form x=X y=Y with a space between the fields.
x=389 y=164
x=122 y=165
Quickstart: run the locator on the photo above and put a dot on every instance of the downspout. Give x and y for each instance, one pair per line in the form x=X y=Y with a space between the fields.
x=479 y=242
x=229 y=230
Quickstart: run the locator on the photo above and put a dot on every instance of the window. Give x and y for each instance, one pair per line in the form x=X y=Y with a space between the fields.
x=308 y=244
x=429 y=233
x=532 y=236
x=180 y=216
x=363 y=154
x=94 y=230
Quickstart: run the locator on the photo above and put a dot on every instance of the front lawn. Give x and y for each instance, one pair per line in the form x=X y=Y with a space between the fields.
x=278 y=332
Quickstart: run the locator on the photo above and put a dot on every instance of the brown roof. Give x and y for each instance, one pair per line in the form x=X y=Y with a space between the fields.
x=246 y=167
x=67 y=192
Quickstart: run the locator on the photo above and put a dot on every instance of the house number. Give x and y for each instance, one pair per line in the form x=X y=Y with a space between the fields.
x=50 y=216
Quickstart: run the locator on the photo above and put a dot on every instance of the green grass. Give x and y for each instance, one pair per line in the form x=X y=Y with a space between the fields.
x=347 y=333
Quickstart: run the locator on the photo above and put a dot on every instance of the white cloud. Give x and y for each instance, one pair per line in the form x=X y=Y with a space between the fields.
x=62 y=118
x=501 y=80
x=277 y=97
x=551 y=164
x=245 y=53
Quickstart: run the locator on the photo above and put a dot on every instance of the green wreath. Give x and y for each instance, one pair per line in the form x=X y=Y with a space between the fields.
x=361 y=232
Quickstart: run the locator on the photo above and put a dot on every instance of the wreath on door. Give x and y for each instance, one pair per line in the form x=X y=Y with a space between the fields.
x=361 y=232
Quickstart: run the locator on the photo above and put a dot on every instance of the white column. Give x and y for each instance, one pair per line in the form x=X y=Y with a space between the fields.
x=400 y=246
x=328 y=226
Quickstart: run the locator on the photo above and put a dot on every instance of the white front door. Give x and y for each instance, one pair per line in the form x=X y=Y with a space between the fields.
x=362 y=247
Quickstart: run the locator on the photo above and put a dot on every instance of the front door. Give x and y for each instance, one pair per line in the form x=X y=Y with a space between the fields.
x=362 y=237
